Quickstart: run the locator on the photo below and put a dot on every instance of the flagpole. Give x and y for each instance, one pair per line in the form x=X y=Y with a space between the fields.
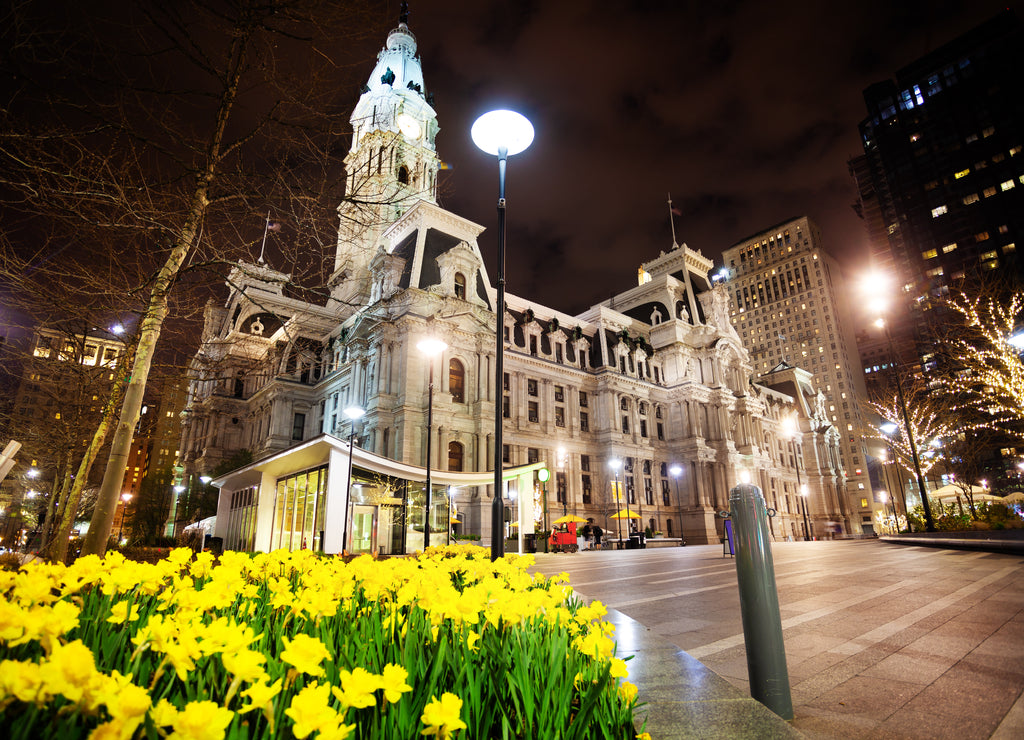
x=672 y=221
x=266 y=228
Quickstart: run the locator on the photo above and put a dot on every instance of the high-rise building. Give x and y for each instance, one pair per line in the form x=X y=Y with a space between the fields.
x=655 y=379
x=941 y=192
x=941 y=181
x=790 y=309
x=66 y=378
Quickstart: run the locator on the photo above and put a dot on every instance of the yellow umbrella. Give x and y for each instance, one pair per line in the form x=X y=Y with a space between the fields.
x=626 y=514
x=568 y=518
x=514 y=524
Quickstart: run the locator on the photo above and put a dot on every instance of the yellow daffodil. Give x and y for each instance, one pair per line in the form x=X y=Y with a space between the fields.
x=201 y=720
x=69 y=670
x=245 y=664
x=442 y=716
x=122 y=612
x=116 y=729
x=357 y=688
x=164 y=713
x=260 y=695
x=305 y=653
x=628 y=692
x=124 y=699
x=619 y=668
x=310 y=710
x=393 y=681
x=335 y=731
x=22 y=680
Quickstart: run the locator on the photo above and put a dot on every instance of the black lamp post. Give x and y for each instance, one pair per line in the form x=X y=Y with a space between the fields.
x=615 y=465
x=500 y=133
x=929 y=523
x=791 y=425
x=125 y=498
x=675 y=471
x=888 y=429
x=802 y=490
x=354 y=414
x=431 y=347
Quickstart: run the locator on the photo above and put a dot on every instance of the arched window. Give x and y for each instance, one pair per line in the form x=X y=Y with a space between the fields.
x=403 y=175
x=460 y=286
x=455 y=456
x=457 y=381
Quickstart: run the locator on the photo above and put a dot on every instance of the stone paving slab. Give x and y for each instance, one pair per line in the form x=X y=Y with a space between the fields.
x=684 y=699
x=882 y=641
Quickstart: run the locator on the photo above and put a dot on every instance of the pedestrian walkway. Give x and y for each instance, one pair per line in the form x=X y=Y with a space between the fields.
x=683 y=698
x=882 y=641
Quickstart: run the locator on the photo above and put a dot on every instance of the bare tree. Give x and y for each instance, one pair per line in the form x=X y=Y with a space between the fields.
x=154 y=143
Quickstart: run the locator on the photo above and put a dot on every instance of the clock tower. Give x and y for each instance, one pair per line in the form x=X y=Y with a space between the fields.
x=392 y=163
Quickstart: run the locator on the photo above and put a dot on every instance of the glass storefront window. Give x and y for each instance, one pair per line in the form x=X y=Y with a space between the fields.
x=299 y=510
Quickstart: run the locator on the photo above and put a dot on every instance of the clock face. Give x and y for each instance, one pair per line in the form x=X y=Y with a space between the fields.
x=408 y=126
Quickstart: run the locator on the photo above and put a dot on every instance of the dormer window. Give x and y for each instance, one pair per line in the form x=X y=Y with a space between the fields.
x=460 y=286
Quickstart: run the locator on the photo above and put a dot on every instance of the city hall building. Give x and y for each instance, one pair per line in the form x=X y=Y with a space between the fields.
x=655 y=379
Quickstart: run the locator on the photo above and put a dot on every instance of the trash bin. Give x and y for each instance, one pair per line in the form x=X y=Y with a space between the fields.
x=634 y=542
x=530 y=542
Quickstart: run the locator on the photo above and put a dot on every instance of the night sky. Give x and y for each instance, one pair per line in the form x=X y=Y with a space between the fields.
x=746 y=112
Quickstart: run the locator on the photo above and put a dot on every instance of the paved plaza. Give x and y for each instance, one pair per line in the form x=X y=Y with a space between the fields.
x=882 y=640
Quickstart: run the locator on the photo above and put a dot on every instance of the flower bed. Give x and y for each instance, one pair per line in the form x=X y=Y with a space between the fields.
x=289 y=644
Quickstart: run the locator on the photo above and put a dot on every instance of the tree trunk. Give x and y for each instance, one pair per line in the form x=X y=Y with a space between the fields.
x=60 y=487
x=156 y=311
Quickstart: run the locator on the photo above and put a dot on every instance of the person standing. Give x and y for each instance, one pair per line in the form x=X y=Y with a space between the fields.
x=588 y=534
x=597 y=532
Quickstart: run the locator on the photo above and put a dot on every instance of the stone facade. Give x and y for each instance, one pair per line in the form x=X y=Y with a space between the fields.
x=654 y=377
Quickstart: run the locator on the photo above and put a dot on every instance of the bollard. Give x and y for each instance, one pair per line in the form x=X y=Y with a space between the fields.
x=759 y=601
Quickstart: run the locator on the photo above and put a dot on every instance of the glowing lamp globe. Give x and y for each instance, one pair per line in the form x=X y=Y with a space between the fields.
x=502 y=130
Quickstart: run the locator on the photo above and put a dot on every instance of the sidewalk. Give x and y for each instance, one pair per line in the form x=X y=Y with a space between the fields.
x=882 y=640
x=684 y=698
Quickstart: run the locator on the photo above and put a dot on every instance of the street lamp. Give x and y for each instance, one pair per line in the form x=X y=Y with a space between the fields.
x=125 y=498
x=884 y=498
x=615 y=464
x=803 y=500
x=929 y=523
x=354 y=414
x=561 y=472
x=791 y=427
x=544 y=475
x=451 y=506
x=888 y=429
x=500 y=133
x=675 y=471
x=431 y=347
